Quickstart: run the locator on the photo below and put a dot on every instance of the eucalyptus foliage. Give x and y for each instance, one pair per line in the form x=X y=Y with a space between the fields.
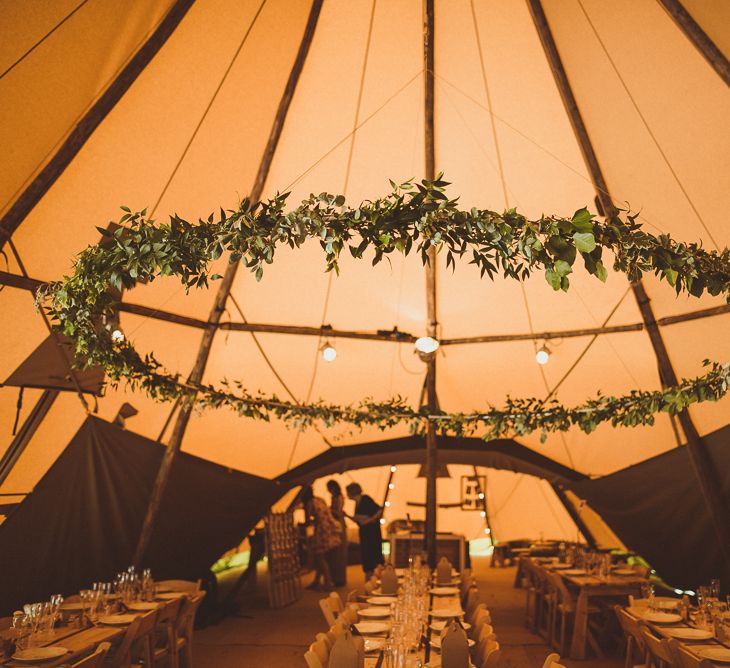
x=414 y=217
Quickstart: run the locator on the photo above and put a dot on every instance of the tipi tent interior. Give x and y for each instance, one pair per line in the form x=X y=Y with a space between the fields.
x=186 y=106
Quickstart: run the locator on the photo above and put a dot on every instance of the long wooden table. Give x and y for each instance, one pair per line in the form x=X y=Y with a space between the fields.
x=437 y=602
x=660 y=630
x=78 y=642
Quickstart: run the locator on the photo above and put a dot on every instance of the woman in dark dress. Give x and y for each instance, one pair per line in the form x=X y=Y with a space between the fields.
x=367 y=515
x=339 y=556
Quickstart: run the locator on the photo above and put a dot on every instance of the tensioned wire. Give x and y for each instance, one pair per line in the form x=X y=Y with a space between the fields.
x=6 y=205
x=505 y=194
x=649 y=131
x=42 y=39
x=346 y=183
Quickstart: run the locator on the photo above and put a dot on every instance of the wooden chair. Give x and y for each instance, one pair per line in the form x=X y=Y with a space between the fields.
x=489 y=657
x=338 y=604
x=481 y=618
x=122 y=657
x=635 y=644
x=143 y=644
x=312 y=659
x=184 y=630
x=552 y=661
x=471 y=602
x=486 y=632
x=326 y=639
x=563 y=616
x=660 y=655
x=685 y=659
x=164 y=652
x=95 y=660
x=180 y=585
x=529 y=584
x=325 y=605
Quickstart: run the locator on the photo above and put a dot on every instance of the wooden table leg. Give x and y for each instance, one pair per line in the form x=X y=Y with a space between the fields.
x=580 y=627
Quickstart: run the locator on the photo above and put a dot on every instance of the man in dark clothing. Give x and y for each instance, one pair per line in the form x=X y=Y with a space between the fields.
x=367 y=516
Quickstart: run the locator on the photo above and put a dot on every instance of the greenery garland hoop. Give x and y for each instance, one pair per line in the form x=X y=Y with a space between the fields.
x=414 y=217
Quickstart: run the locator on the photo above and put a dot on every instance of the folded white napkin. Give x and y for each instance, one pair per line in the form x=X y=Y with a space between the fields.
x=388 y=581
x=443 y=571
x=347 y=652
x=454 y=647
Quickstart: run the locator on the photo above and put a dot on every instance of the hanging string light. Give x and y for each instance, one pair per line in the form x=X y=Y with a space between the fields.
x=542 y=356
x=329 y=352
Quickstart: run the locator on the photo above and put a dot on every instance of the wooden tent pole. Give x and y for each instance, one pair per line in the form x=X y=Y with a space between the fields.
x=431 y=305
x=196 y=375
x=75 y=141
x=574 y=514
x=390 y=336
x=699 y=38
x=696 y=447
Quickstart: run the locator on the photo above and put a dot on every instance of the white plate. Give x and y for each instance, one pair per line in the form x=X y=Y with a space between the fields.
x=39 y=654
x=721 y=654
x=441 y=625
x=625 y=571
x=436 y=642
x=381 y=600
x=372 y=628
x=374 y=645
x=378 y=612
x=142 y=606
x=575 y=571
x=689 y=634
x=444 y=591
x=446 y=613
x=117 y=620
x=661 y=617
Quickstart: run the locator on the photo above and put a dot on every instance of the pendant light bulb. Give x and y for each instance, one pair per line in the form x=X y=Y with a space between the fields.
x=329 y=353
x=542 y=356
x=427 y=345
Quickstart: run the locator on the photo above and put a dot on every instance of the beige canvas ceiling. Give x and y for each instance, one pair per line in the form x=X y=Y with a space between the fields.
x=188 y=135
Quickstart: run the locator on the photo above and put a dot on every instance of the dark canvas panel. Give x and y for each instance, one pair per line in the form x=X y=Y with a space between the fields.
x=657 y=509
x=82 y=521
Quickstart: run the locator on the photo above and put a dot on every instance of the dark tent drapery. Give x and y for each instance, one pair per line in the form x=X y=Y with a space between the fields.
x=657 y=509
x=82 y=521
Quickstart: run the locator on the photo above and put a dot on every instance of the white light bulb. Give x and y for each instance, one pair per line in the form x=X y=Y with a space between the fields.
x=382 y=520
x=329 y=354
x=427 y=345
x=391 y=485
x=487 y=531
x=482 y=514
x=117 y=336
x=387 y=504
x=481 y=495
x=542 y=356
x=393 y=469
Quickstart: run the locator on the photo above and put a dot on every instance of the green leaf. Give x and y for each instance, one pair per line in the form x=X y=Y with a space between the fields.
x=562 y=268
x=582 y=220
x=585 y=242
x=601 y=271
x=671 y=275
x=553 y=279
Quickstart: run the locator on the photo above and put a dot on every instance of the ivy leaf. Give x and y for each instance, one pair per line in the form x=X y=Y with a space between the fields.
x=601 y=272
x=671 y=275
x=585 y=242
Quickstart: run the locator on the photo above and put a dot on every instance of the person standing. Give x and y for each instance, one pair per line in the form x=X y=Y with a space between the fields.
x=339 y=556
x=367 y=516
x=325 y=538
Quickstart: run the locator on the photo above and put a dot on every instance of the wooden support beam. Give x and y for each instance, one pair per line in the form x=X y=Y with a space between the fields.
x=389 y=336
x=431 y=304
x=696 y=448
x=75 y=141
x=699 y=38
x=196 y=375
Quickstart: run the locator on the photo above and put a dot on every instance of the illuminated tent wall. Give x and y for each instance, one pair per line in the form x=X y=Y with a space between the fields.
x=170 y=105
